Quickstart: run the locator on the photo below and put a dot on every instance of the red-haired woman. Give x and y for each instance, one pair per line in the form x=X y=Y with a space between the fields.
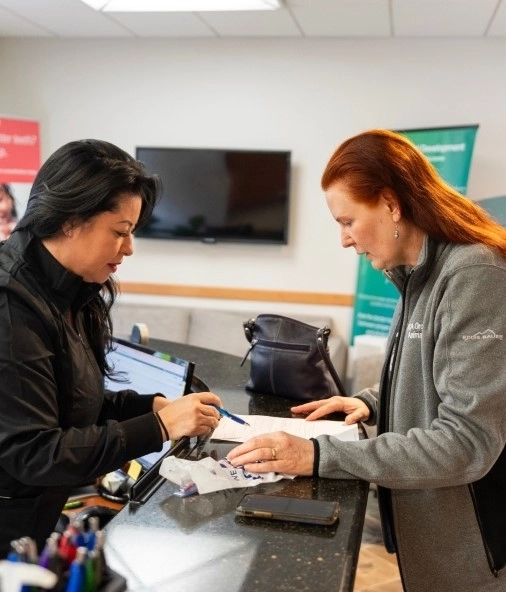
x=439 y=457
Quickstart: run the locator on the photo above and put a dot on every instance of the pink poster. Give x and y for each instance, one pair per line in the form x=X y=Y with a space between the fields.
x=19 y=150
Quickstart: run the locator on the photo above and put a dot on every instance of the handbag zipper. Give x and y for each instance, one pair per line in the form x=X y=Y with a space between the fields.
x=276 y=345
x=252 y=344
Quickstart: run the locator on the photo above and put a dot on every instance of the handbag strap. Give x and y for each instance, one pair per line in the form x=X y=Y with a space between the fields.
x=324 y=354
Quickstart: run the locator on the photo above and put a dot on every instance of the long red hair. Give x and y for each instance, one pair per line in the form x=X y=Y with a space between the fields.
x=376 y=160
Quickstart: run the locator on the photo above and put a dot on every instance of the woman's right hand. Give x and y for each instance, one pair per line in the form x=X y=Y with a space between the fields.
x=355 y=409
x=191 y=415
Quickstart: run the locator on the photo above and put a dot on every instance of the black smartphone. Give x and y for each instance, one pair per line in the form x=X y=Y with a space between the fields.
x=295 y=509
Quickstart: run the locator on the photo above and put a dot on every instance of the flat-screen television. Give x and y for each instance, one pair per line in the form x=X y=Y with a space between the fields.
x=215 y=195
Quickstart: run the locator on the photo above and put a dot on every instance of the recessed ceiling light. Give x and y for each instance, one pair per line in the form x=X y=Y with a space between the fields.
x=181 y=5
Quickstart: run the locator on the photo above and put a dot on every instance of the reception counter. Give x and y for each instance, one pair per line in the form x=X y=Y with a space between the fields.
x=198 y=544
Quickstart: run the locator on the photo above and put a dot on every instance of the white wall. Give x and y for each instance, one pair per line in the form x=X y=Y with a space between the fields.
x=300 y=95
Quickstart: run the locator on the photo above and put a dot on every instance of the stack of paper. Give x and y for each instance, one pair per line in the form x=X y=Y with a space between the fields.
x=232 y=431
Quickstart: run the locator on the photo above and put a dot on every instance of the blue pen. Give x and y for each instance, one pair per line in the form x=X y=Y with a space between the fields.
x=226 y=413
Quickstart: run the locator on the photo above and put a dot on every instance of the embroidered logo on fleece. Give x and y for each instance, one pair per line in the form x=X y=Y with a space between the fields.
x=480 y=335
x=415 y=330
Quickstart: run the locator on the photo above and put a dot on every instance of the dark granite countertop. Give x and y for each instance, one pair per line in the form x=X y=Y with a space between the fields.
x=198 y=544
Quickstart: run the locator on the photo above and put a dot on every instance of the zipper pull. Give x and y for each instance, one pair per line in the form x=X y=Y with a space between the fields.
x=254 y=341
x=248 y=326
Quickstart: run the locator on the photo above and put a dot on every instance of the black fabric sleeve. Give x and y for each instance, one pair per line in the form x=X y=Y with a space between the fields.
x=316 y=461
x=125 y=404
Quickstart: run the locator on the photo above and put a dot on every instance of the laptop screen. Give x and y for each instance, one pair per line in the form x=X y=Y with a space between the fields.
x=148 y=371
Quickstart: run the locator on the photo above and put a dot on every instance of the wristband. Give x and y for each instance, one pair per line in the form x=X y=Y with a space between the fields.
x=162 y=425
x=316 y=460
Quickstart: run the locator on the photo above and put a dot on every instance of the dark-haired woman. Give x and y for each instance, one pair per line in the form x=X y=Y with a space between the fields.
x=439 y=458
x=58 y=428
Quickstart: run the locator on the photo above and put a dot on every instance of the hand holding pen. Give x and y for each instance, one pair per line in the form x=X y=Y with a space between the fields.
x=189 y=416
x=231 y=416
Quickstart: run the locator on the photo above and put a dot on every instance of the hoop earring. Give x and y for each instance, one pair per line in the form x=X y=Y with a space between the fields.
x=396 y=232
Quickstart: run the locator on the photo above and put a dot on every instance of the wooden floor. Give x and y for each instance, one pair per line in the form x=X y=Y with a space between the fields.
x=377 y=570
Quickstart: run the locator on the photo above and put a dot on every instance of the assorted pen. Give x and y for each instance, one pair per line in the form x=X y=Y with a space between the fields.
x=76 y=557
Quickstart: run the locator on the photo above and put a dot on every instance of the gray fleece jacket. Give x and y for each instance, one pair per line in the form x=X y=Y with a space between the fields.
x=441 y=413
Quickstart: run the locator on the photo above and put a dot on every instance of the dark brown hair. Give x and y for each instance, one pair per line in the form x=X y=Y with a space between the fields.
x=375 y=160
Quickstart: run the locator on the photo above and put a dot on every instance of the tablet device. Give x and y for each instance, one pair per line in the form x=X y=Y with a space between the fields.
x=148 y=371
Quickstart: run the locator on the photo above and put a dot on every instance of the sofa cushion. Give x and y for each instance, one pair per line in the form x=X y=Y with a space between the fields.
x=219 y=330
x=170 y=323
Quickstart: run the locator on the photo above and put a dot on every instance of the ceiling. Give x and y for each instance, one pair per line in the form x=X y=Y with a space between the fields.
x=297 y=19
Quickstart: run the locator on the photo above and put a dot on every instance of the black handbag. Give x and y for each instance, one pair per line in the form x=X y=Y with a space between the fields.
x=290 y=358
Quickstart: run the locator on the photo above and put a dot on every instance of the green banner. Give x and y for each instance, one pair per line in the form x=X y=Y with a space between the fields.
x=450 y=150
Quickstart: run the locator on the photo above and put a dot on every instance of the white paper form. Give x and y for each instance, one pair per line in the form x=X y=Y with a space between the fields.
x=232 y=431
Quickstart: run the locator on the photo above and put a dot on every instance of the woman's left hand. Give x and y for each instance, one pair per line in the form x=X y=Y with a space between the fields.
x=356 y=410
x=279 y=452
